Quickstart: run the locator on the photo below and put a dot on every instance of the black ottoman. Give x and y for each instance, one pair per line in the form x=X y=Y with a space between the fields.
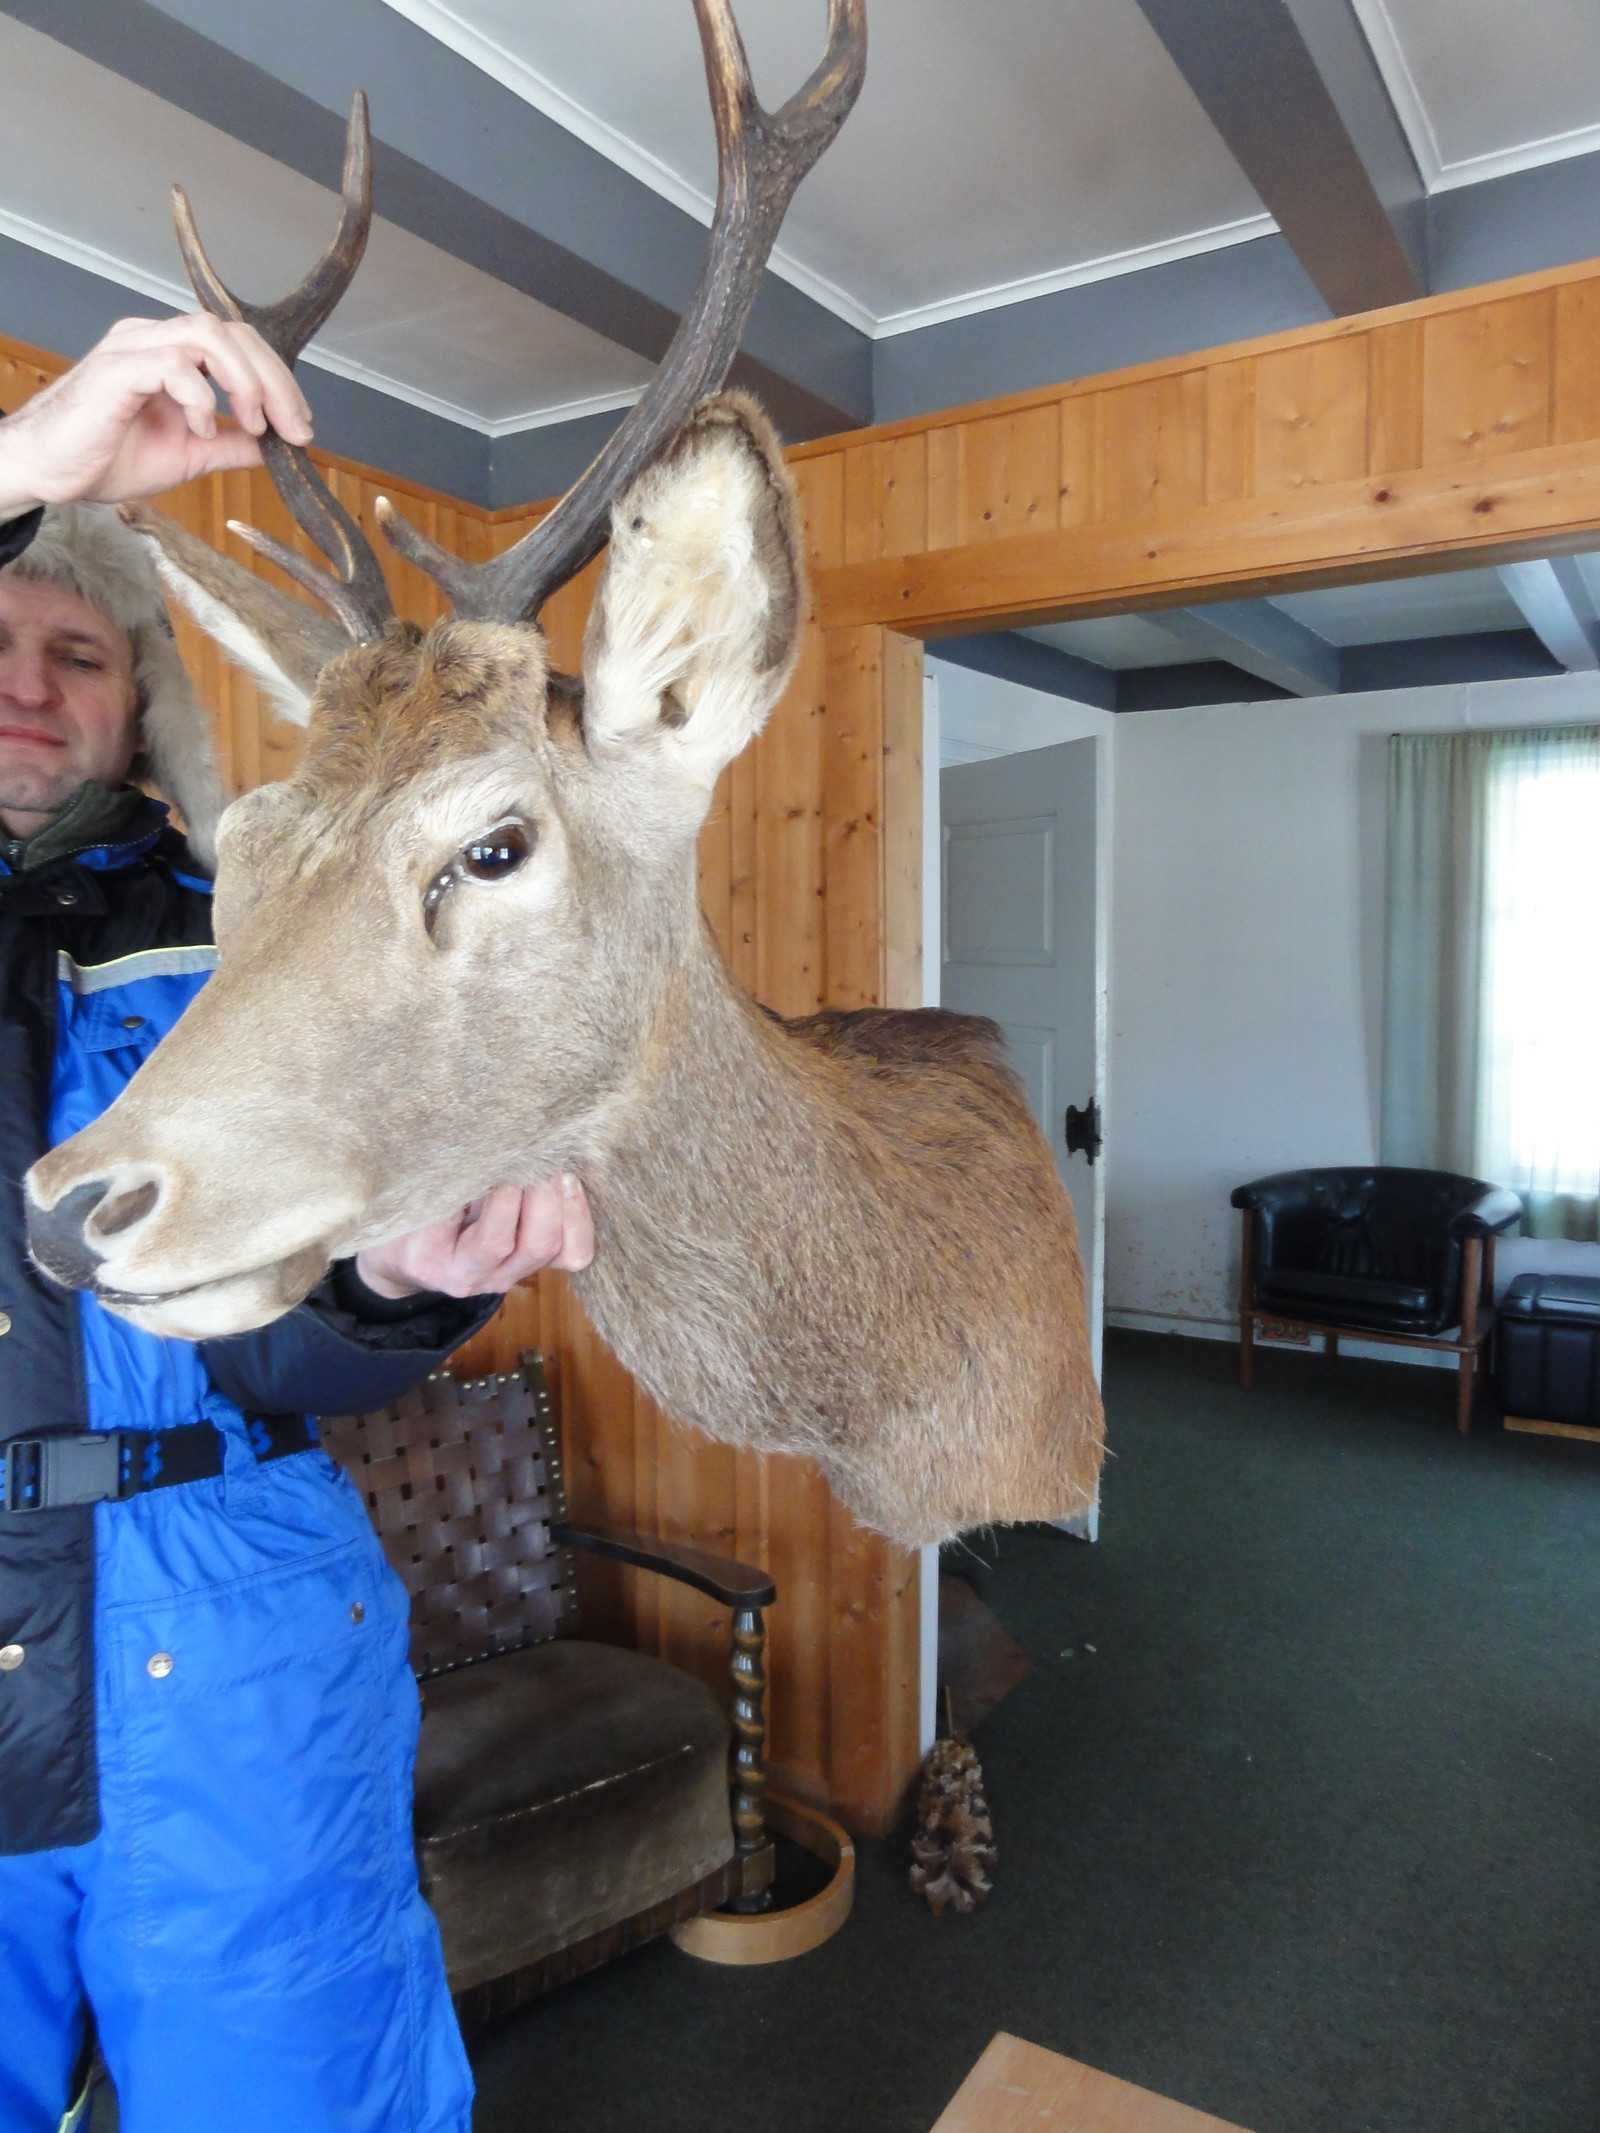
x=1549 y=1363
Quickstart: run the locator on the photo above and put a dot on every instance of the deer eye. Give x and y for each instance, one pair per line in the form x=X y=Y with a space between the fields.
x=496 y=854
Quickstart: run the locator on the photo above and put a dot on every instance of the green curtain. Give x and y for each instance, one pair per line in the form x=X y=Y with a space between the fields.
x=1491 y=1022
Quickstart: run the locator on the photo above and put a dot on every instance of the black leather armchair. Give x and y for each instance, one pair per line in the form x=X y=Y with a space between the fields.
x=1405 y=1256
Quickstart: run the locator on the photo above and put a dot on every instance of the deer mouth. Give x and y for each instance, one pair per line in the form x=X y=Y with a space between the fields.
x=216 y=1309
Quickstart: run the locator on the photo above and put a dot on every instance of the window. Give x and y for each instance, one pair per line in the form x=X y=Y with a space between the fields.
x=1491 y=1006
x=1539 y=1079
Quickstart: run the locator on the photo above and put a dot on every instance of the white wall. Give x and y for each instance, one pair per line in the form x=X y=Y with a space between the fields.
x=1247 y=971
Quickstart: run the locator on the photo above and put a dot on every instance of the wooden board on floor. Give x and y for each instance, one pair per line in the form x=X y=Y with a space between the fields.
x=1016 y=2086
x=1528 y=1426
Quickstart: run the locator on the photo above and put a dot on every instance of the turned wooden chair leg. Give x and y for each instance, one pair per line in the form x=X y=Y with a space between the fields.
x=1471 y=1290
x=750 y=1834
x=1247 y=1302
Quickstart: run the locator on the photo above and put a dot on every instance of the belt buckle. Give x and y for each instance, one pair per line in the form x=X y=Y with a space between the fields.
x=22 y=1475
x=56 y=1473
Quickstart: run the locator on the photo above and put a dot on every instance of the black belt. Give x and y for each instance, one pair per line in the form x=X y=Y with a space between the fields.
x=109 y=1466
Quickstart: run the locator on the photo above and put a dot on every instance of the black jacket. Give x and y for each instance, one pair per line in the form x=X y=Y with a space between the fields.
x=341 y=1352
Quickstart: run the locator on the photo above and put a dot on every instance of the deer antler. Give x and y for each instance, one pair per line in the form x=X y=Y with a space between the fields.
x=761 y=158
x=355 y=590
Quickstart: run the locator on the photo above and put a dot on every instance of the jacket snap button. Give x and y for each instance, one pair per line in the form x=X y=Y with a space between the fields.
x=66 y=898
x=133 y=1021
x=159 y=1665
x=5 y=1324
x=358 y=1613
x=11 y=1657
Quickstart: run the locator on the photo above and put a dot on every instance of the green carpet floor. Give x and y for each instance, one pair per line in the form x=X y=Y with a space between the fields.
x=1310 y=1839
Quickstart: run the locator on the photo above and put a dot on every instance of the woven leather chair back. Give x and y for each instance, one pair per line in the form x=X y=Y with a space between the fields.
x=463 y=1480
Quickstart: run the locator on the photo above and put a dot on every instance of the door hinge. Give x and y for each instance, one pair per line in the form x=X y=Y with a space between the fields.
x=1083 y=1129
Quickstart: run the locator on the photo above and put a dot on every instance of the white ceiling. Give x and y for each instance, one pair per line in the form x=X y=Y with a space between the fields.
x=416 y=322
x=1486 y=86
x=1003 y=150
x=1445 y=604
x=997 y=151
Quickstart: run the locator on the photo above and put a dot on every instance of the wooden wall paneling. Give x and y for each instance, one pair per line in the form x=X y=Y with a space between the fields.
x=1150 y=447
x=1311 y=415
x=1230 y=431
x=1488 y=380
x=1394 y=439
x=885 y=499
x=1076 y=502
x=1009 y=477
x=22 y=374
x=819 y=485
x=901 y=930
x=852 y=804
x=742 y=822
x=1577 y=363
x=1530 y=504
x=945 y=453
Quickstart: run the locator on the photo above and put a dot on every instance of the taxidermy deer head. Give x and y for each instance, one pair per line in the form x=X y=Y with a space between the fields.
x=461 y=946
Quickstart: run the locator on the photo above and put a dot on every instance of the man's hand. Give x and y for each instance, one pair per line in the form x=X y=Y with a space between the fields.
x=490 y=1246
x=139 y=414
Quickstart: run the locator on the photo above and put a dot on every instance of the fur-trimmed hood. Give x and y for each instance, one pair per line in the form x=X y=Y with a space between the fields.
x=86 y=549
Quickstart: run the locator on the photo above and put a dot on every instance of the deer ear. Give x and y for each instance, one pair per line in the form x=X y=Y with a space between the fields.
x=279 y=641
x=696 y=622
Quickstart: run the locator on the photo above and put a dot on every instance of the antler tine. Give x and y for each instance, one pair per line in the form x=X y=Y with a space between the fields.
x=761 y=158
x=356 y=591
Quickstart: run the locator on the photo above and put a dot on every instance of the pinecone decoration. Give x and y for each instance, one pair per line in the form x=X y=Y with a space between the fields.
x=952 y=1850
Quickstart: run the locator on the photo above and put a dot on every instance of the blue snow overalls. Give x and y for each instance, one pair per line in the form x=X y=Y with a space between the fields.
x=207 y=1718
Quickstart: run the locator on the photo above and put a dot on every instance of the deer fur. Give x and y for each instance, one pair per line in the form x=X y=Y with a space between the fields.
x=842 y=1237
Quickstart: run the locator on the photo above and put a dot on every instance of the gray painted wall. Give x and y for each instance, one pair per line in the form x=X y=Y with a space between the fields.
x=1230 y=295
x=532 y=464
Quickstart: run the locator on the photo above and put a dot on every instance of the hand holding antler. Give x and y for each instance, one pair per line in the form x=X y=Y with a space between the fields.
x=138 y=414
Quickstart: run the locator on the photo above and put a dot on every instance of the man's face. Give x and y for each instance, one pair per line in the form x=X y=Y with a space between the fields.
x=67 y=701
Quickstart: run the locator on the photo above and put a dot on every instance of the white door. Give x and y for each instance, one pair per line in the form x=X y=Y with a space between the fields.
x=1023 y=941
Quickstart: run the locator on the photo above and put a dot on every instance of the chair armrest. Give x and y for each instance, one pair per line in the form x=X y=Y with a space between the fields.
x=719 y=1576
x=1492 y=1212
x=1271 y=1196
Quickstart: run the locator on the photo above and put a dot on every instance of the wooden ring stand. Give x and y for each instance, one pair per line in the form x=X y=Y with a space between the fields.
x=778 y=1936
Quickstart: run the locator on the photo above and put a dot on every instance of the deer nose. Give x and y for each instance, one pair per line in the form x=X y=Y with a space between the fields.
x=59 y=1236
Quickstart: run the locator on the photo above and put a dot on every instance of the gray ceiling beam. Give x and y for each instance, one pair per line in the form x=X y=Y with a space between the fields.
x=1258 y=639
x=1558 y=606
x=1293 y=88
x=465 y=163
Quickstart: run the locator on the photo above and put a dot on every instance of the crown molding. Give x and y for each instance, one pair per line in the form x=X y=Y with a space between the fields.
x=1438 y=176
x=106 y=266
x=542 y=418
x=1384 y=39
x=1106 y=268
x=447 y=28
x=1527 y=155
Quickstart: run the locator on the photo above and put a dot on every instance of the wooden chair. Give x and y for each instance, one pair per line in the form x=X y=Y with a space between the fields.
x=572 y=1798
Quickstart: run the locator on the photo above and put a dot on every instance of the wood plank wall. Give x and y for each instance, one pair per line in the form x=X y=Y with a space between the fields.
x=814 y=835
x=1468 y=422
